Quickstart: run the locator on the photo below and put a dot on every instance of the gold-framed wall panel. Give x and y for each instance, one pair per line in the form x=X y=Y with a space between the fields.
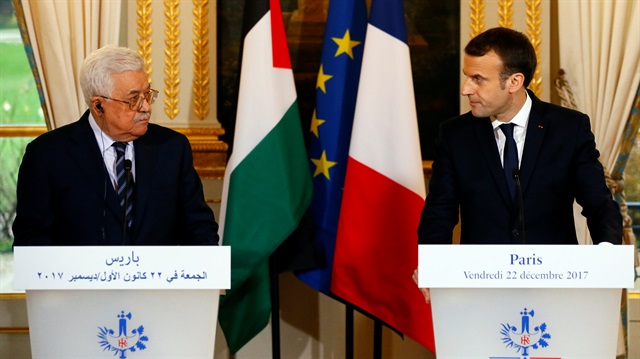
x=177 y=40
x=168 y=27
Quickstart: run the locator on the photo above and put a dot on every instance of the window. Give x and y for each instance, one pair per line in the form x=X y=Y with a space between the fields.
x=21 y=119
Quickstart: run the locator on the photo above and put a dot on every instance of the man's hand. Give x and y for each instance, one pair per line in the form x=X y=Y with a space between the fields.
x=425 y=291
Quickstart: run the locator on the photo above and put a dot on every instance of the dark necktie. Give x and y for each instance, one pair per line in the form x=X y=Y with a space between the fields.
x=124 y=181
x=510 y=157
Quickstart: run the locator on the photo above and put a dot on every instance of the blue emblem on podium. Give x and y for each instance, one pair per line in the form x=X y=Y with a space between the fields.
x=122 y=342
x=526 y=337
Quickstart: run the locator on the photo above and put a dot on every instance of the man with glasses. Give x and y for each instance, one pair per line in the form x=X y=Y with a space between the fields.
x=112 y=178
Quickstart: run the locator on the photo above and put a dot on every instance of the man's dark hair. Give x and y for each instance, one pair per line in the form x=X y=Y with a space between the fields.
x=513 y=48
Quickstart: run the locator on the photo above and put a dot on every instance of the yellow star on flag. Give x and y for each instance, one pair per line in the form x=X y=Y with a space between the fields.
x=323 y=165
x=345 y=45
x=322 y=78
x=315 y=123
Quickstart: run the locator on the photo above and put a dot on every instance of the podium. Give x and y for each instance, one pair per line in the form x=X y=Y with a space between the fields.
x=526 y=301
x=122 y=301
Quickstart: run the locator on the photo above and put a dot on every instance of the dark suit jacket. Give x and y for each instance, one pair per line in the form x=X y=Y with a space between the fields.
x=65 y=196
x=559 y=164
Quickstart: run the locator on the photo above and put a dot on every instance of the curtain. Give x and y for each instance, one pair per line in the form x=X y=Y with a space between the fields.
x=61 y=35
x=600 y=51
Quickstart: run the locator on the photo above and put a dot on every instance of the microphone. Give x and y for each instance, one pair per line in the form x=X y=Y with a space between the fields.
x=516 y=177
x=127 y=173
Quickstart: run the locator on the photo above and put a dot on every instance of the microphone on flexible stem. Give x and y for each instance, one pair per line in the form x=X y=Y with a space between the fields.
x=127 y=173
x=516 y=177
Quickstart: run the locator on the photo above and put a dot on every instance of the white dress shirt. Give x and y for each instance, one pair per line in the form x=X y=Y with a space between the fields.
x=109 y=152
x=520 y=121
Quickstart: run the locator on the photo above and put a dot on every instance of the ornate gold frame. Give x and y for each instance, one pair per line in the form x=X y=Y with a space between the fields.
x=209 y=152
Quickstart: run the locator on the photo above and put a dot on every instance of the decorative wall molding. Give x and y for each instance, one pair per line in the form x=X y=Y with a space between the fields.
x=181 y=36
x=171 y=58
x=505 y=12
x=201 y=58
x=476 y=17
x=534 y=31
x=209 y=153
x=143 y=29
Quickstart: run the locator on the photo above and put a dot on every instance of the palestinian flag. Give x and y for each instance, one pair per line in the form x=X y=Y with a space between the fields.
x=267 y=184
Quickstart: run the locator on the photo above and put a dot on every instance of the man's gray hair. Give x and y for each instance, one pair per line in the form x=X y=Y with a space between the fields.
x=96 y=71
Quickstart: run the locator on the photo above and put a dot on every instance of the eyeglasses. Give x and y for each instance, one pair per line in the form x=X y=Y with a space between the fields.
x=135 y=104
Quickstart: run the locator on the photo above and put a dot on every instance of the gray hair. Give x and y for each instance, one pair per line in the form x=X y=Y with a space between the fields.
x=96 y=71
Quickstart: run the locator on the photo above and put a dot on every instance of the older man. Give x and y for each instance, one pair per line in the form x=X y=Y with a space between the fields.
x=112 y=178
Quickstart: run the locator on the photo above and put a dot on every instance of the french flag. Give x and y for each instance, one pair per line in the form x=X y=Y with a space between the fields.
x=377 y=245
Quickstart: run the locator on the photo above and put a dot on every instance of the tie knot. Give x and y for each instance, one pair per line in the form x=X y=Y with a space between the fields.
x=507 y=129
x=120 y=147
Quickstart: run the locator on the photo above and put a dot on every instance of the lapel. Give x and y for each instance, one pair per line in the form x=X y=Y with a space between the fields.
x=489 y=149
x=85 y=152
x=536 y=129
x=146 y=155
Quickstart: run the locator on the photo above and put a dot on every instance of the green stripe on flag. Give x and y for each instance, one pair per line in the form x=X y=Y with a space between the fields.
x=269 y=191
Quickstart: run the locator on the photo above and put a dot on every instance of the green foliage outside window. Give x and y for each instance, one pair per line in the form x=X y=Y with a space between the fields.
x=19 y=105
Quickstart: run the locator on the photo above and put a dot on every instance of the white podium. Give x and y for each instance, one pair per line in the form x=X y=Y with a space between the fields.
x=122 y=301
x=525 y=302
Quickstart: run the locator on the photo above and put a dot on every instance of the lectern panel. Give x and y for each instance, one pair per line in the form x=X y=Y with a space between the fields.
x=525 y=323
x=122 y=323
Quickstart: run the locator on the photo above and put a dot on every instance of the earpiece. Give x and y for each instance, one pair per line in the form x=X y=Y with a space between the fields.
x=99 y=107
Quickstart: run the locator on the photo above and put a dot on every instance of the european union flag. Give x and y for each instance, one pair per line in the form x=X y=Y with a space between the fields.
x=330 y=133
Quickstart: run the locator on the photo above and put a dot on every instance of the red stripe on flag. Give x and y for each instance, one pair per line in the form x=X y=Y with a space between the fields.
x=377 y=252
x=281 y=57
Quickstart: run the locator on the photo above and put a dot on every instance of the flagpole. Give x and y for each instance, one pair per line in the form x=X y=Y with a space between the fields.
x=275 y=308
x=349 y=331
x=377 y=339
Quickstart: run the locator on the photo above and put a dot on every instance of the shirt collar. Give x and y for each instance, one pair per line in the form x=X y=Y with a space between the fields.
x=104 y=141
x=521 y=118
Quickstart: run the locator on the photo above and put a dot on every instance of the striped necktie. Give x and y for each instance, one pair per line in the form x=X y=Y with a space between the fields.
x=124 y=180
